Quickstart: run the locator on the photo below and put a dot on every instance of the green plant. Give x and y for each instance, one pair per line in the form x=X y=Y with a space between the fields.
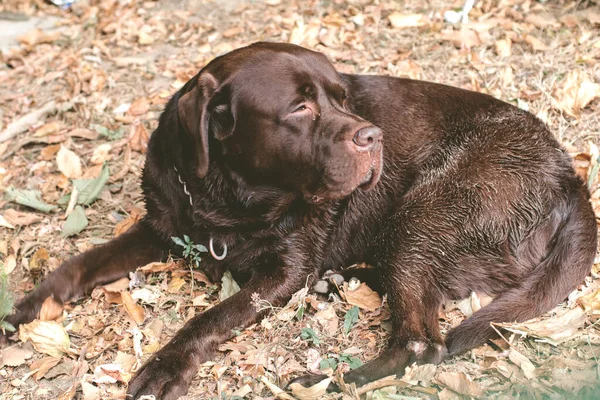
x=310 y=335
x=332 y=363
x=191 y=251
x=350 y=319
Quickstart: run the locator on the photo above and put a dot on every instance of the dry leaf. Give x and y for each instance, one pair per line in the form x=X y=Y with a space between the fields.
x=576 y=93
x=139 y=106
x=460 y=383
x=37 y=36
x=560 y=328
x=42 y=366
x=51 y=309
x=535 y=43
x=90 y=392
x=363 y=297
x=85 y=134
x=135 y=311
x=10 y=263
x=68 y=163
x=416 y=374
x=20 y=218
x=523 y=362
x=48 y=129
x=101 y=153
x=16 y=355
x=314 y=392
x=126 y=223
x=175 y=284
x=139 y=138
x=48 y=337
x=401 y=21
x=504 y=47
x=591 y=304
x=463 y=38
x=117 y=286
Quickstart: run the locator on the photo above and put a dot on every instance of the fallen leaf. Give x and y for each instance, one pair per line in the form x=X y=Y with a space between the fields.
x=535 y=43
x=68 y=163
x=576 y=93
x=363 y=297
x=463 y=38
x=51 y=309
x=48 y=337
x=101 y=153
x=401 y=21
x=75 y=223
x=139 y=138
x=49 y=152
x=591 y=304
x=37 y=36
x=459 y=383
x=5 y=224
x=85 y=134
x=504 y=47
x=90 y=392
x=124 y=225
x=90 y=189
x=10 y=262
x=29 y=198
x=419 y=374
x=48 y=129
x=139 y=106
x=229 y=286
x=520 y=360
x=42 y=366
x=563 y=326
x=16 y=355
x=135 y=311
x=117 y=286
x=175 y=284
x=314 y=392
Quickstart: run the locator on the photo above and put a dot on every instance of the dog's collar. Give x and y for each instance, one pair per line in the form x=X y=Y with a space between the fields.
x=211 y=247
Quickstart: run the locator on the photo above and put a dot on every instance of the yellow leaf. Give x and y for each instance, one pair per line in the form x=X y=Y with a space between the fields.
x=135 y=311
x=47 y=337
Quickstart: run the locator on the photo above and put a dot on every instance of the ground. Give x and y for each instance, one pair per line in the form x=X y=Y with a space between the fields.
x=79 y=96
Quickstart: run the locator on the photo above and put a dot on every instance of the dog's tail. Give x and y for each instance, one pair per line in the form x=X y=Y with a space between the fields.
x=568 y=260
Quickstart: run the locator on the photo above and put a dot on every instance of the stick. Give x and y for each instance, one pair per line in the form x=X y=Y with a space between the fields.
x=23 y=123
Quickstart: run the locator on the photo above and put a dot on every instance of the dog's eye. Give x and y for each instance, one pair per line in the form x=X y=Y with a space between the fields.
x=301 y=108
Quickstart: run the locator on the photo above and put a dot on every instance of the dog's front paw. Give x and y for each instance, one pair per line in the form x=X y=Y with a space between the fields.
x=166 y=376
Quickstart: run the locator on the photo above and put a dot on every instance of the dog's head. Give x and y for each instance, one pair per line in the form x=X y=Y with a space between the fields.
x=279 y=117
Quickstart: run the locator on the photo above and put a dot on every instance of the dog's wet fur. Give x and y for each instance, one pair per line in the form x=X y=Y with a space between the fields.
x=298 y=169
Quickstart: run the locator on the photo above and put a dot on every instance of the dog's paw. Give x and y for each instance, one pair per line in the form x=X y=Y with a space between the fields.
x=166 y=376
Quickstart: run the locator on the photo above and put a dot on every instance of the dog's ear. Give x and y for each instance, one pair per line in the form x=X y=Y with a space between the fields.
x=194 y=116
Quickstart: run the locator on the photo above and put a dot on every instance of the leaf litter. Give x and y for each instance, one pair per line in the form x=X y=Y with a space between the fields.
x=81 y=100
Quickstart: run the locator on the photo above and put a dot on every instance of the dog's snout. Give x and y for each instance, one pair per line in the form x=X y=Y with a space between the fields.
x=367 y=137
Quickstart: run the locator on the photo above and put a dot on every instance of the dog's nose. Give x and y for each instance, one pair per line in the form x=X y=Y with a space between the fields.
x=367 y=137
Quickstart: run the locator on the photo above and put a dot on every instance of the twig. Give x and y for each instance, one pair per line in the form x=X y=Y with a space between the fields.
x=23 y=123
x=277 y=391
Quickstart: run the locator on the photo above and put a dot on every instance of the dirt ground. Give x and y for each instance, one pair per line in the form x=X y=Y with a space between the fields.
x=79 y=97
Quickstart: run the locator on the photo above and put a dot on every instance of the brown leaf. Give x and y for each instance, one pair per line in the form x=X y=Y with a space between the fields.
x=117 y=286
x=504 y=47
x=139 y=138
x=20 y=218
x=48 y=337
x=84 y=133
x=401 y=21
x=520 y=360
x=463 y=38
x=37 y=36
x=175 y=284
x=576 y=93
x=16 y=355
x=126 y=223
x=460 y=383
x=535 y=43
x=48 y=129
x=51 y=309
x=159 y=267
x=68 y=163
x=39 y=260
x=139 y=106
x=101 y=154
x=591 y=304
x=135 y=311
x=314 y=392
x=42 y=366
x=364 y=297
x=49 y=152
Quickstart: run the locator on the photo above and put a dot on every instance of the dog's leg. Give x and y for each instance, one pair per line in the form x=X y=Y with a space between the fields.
x=100 y=265
x=168 y=373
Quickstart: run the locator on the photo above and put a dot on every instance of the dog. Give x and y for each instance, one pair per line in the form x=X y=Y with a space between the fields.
x=286 y=168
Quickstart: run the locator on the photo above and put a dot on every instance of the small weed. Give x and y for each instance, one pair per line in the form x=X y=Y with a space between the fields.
x=6 y=301
x=191 y=251
x=350 y=319
x=310 y=335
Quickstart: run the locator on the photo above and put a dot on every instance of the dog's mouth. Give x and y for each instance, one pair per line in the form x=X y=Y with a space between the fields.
x=373 y=175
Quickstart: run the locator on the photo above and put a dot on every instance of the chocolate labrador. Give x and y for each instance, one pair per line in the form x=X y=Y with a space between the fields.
x=288 y=168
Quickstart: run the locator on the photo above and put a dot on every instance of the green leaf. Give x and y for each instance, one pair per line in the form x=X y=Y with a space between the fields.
x=229 y=286
x=300 y=312
x=310 y=334
x=328 y=363
x=104 y=131
x=353 y=362
x=178 y=241
x=75 y=223
x=6 y=299
x=200 y=248
x=29 y=198
x=350 y=319
x=89 y=189
x=593 y=173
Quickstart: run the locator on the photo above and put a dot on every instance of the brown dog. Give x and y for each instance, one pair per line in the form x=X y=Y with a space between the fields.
x=292 y=168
